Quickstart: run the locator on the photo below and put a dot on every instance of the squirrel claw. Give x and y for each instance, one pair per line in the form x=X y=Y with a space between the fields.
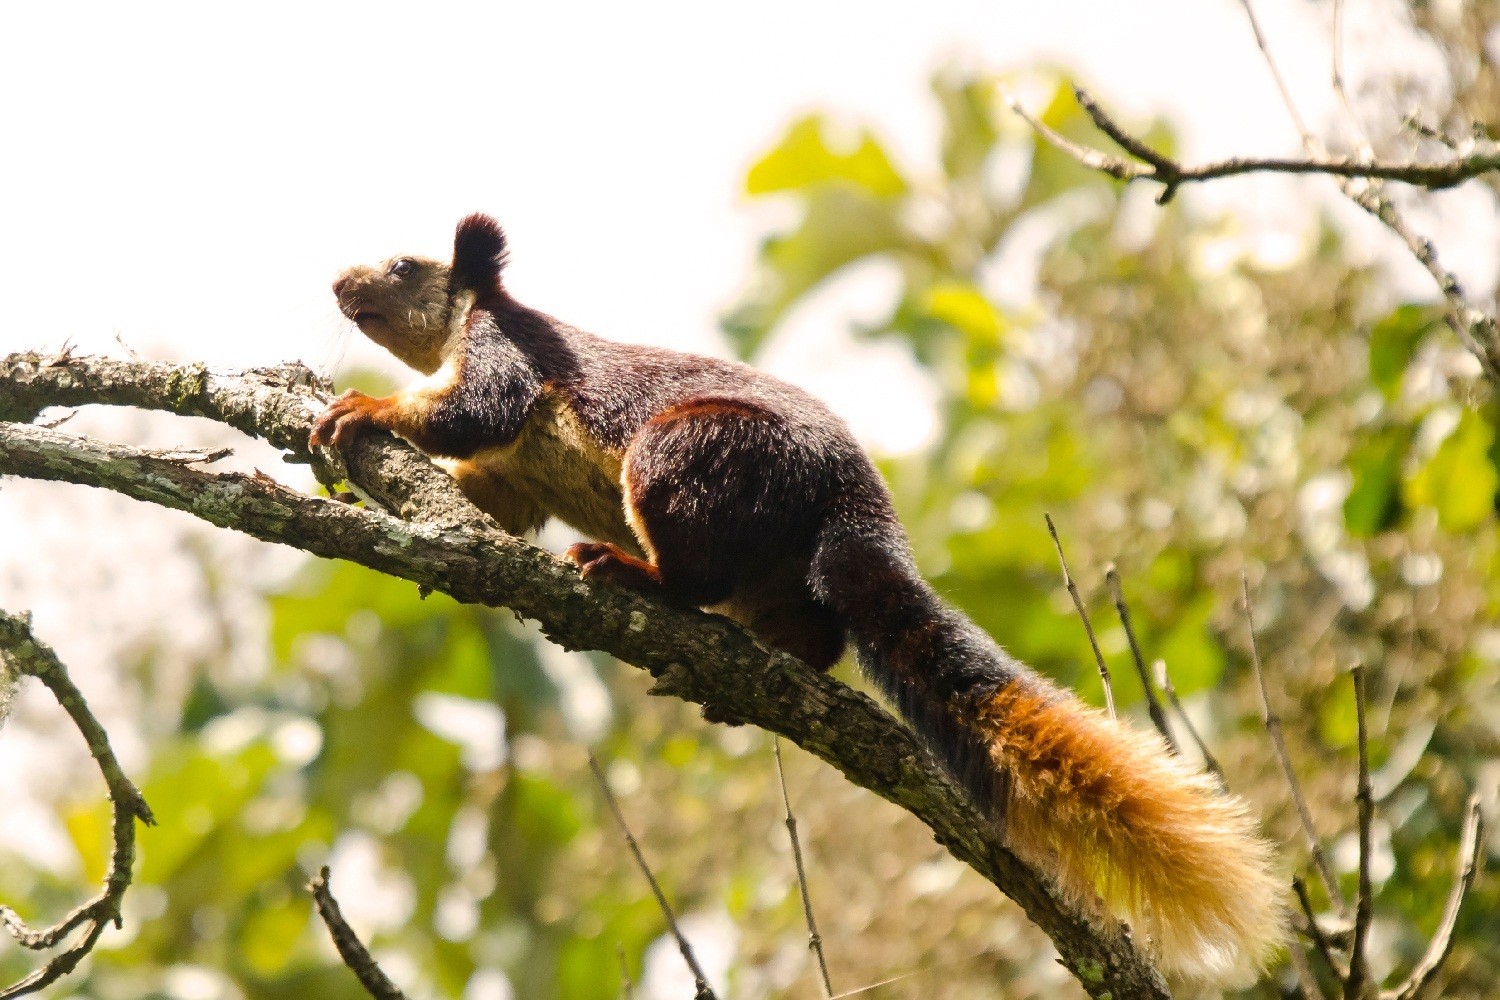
x=346 y=416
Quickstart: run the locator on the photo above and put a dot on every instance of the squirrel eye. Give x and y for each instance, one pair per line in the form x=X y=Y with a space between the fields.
x=401 y=267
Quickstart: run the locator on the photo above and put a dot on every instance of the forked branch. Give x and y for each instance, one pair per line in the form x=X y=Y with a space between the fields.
x=27 y=656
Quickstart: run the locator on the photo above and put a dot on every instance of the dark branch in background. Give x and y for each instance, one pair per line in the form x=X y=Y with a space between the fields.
x=355 y=955
x=1470 y=843
x=814 y=939
x=1210 y=762
x=1359 y=982
x=626 y=986
x=1152 y=165
x=1475 y=329
x=1315 y=930
x=1361 y=179
x=1153 y=703
x=1088 y=626
x=1272 y=721
x=700 y=978
x=28 y=657
x=445 y=544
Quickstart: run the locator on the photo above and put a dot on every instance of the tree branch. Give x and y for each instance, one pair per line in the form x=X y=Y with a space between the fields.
x=355 y=955
x=1152 y=165
x=27 y=656
x=1360 y=179
x=1466 y=865
x=447 y=545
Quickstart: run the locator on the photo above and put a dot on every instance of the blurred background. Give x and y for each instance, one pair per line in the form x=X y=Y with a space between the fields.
x=1253 y=377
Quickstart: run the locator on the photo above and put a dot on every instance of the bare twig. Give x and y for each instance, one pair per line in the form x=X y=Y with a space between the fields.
x=1210 y=762
x=626 y=986
x=1360 y=178
x=1088 y=626
x=1272 y=722
x=28 y=656
x=814 y=939
x=355 y=955
x=1359 y=982
x=1315 y=930
x=1286 y=94
x=1153 y=703
x=1307 y=983
x=1366 y=151
x=1153 y=165
x=700 y=978
x=1466 y=866
x=1476 y=330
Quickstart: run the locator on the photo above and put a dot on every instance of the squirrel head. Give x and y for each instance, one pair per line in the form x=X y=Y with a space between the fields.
x=404 y=304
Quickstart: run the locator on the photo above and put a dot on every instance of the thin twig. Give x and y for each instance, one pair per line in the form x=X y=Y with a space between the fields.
x=1153 y=703
x=814 y=939
x=1359 y=982
x=1307 y=983
x=28 y=656
x=1272 y=722
x=1153 y=165
x=626 y=986
x=1360 y=179
x=700 y=979
x=1475 y=330
x=1210 y=762
x=1286 y=94
x=355 y=955
x=1366 y=151
x=1088 y=626
x=1315 y=930
x=1466 y=867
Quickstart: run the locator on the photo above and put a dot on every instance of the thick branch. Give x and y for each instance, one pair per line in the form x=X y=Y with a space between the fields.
x=454 y=549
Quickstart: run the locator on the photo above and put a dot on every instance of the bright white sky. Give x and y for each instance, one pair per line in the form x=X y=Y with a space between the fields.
x=191 y=176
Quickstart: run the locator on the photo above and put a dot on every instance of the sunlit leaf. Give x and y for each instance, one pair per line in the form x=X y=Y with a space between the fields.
x=842 y=224
x=969 y=128
x=806 y=158
x=1459 y=480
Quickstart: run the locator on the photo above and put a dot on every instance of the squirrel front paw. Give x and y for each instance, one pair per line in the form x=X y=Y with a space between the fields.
x=345 y=417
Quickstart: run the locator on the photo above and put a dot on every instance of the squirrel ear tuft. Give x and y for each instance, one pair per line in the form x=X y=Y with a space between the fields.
x=479 y=254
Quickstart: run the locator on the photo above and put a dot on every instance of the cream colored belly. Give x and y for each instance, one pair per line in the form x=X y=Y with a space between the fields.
x=558 y=467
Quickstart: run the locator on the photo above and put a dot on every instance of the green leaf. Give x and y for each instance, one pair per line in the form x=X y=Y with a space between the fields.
x=1374 y=501
x=842 y=225
x=1459 y=481
x=969 y=127
x=963 y=307
x=1393 y=341
x=806 y=159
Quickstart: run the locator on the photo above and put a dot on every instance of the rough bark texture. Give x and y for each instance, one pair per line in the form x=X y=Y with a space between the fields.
x=427 y=532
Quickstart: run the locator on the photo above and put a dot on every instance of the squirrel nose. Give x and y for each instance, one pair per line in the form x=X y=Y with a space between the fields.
x=340 y=284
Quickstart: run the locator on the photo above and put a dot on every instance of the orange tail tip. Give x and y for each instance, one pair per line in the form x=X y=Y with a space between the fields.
x=1111 y=813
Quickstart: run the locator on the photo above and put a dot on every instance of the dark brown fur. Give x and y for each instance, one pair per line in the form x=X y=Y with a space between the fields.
x=714 y=485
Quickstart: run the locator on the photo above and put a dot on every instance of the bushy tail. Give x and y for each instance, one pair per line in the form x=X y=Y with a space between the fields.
x=1103 y=807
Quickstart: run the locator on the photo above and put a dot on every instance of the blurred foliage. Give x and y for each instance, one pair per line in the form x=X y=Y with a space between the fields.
x=1176 y=404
